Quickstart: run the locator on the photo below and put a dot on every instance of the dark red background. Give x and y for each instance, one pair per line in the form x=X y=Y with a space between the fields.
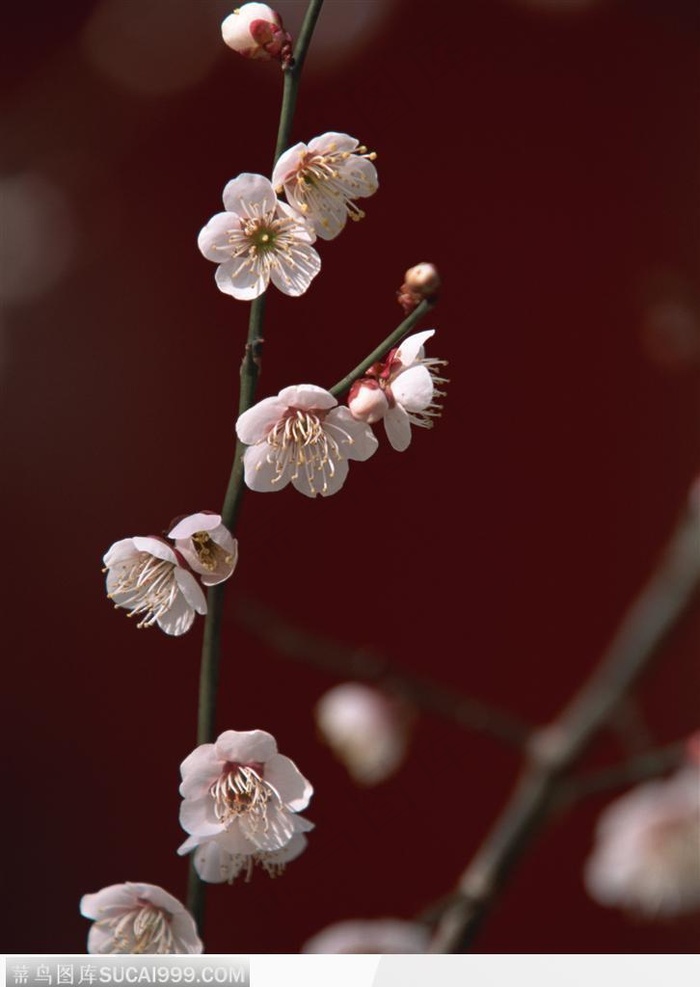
x=548 y=163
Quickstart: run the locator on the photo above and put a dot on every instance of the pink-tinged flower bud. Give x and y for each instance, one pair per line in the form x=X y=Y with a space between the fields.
x=367 y=401
x=420 y=282
x=256 y=31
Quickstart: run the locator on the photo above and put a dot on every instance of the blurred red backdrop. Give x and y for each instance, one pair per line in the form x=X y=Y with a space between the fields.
x=547 y=160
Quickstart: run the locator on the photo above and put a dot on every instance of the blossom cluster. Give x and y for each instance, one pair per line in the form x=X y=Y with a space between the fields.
x=159 y=580
x=304 y=437
x=260 y=239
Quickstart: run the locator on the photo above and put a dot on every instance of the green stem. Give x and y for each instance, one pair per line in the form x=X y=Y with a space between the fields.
x=395 y=337
x=250 y=372
x=293 y=74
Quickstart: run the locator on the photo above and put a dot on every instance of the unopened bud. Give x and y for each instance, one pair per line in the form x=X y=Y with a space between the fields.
x=256 y=31
x=367 y=401
x=420 y=282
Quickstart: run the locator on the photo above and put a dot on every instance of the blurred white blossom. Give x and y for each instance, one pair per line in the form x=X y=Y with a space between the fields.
x=386 y=935
x=240 y=804
x=323 y=178
x=402 y=389
x=257 y=240
x=365 y=729
x=303 y=437
x=206 y=545
x=646 y=857
x=145 y=577
x=138 y=918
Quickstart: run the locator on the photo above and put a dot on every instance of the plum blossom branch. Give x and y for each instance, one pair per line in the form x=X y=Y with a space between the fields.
x=391 y=340
x=555 y=750
x=249 y=373
x=331 y=655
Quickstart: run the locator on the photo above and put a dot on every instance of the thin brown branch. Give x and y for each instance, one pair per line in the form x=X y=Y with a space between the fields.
x=556 y=749
x=651 y=764
x=368 y=666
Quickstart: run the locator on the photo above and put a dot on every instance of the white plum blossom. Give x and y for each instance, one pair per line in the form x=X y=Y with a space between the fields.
x=257 y=240
x=301 y=436
x=255 y=30
x=401 y=389
x=207 y=546
x=382 y=935
x=241 y=800
x=138 y=918
x=323 y=178
x=147 y=577
x=365 y=729
x=646 y=858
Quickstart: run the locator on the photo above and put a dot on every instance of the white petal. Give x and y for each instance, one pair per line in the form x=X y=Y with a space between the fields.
x=333 y=141
x=120 y=551
x=260 y=471
x=398 y=428
x=184 y=932
x=410 y=349
x=320 y=484
x=193 y=523
x=359 y=441
x=240 y=279
x=214 y=864
x=190 y=843
x=155 y=546
x=288 y=781
x=413 y=389
x=99 y=940
x=250 y=190
x=294 y=275
x=199 y=771
x=307 y=397
x=160 y=898
x=287 y=164
x=246 y=746
x=191 y=590
x=254 y=424
x=277 y=831
x=361 y=175
x=116 y=897
x=197 y=817
x=330 y=222
x=179 y=617
x=213 y=240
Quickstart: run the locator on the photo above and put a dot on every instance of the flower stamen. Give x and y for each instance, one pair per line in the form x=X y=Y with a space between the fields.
x=241 y=790
x=142 y=930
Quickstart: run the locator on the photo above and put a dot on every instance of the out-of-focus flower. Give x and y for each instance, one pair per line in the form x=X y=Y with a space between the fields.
x=257 y=240
x=365 y=729
x=138 y=918
x=207 y=546
x=323 y=178
x=146 y=577
x=386 y=935
x=408 y=382
x=646 y=857
x=420 y=282
x=255 y=30
x=303 y=437
x=243 y=796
